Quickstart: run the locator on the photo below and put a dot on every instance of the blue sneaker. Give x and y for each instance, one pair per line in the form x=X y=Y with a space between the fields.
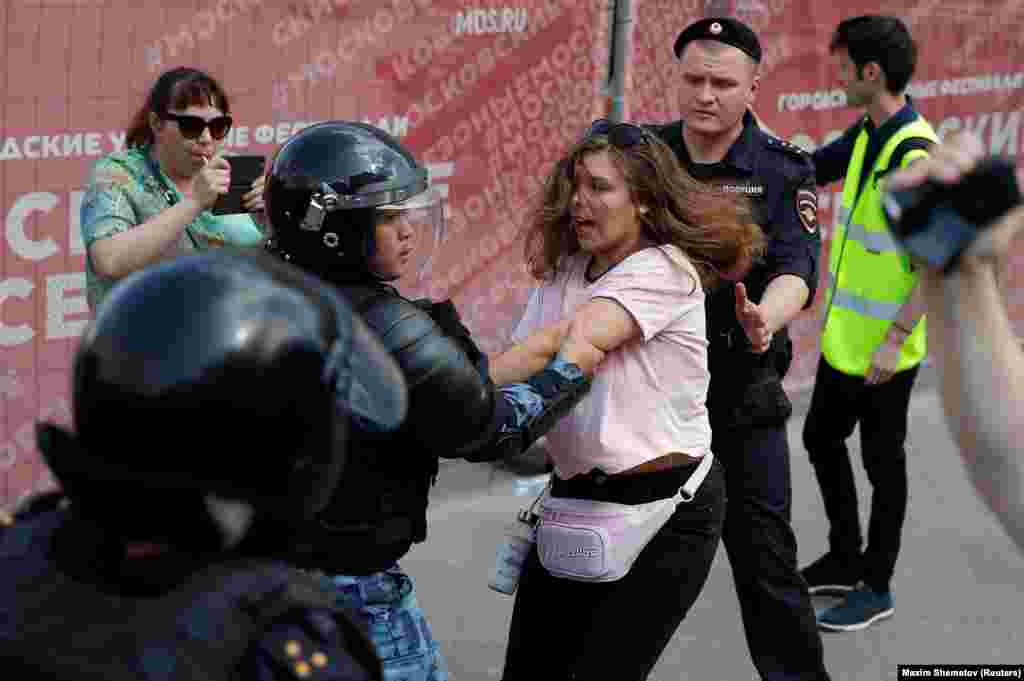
x=861 y=608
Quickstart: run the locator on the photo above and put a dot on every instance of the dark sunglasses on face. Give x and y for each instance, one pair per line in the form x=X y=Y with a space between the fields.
x=622 y=135
x=192 y=126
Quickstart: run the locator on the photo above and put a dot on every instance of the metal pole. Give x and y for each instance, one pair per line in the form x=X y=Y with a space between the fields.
x=620 y=55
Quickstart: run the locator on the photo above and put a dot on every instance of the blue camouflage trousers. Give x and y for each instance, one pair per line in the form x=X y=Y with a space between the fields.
x=386 y=603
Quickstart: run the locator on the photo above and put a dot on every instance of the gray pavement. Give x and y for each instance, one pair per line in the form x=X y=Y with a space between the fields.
x=958 y=584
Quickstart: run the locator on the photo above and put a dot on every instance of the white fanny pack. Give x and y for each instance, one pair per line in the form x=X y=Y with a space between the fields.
x=598 y=541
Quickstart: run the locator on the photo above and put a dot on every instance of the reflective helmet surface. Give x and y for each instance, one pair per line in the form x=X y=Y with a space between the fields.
x=324 y=183
x=231 y=373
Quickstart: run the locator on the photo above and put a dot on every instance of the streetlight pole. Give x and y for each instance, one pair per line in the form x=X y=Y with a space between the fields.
x=620 y=53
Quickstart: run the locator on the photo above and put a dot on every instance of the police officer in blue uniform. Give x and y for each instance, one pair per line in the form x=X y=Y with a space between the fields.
x=719 y=142
x=345 y=201
x=212 y=402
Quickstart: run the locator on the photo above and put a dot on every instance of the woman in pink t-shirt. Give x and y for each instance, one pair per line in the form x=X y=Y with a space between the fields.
x=624 y=244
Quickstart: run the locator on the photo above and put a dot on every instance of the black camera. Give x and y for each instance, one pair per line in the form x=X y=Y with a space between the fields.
x=936 y=222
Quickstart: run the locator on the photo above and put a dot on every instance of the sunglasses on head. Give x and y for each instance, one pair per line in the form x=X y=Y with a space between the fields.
x=622 y=135
x=192 y=126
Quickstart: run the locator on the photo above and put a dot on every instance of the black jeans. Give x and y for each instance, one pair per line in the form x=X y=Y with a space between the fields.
x=778 y=616
x=839 y=403
x=563 y=629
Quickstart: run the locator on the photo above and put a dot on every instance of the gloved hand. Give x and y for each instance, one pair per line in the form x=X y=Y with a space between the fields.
x=540 y=402
x=555 y=375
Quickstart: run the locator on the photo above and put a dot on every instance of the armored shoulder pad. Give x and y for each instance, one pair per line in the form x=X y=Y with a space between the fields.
x=417 y=343
x=441 y=376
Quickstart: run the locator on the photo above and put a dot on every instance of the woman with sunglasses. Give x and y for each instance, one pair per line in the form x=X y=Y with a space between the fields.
x=152 y=200
x=624 y=244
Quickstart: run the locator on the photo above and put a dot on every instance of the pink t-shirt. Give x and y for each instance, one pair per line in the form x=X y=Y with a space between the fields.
x=648 y=396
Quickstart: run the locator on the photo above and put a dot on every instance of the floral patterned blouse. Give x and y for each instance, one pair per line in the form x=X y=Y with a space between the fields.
x=123 y=192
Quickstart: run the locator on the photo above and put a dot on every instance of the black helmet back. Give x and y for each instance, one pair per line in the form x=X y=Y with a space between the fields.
x=228 y=373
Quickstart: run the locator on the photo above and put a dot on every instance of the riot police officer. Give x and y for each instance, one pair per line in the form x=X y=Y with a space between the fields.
x=211 y=405
x=344 y=201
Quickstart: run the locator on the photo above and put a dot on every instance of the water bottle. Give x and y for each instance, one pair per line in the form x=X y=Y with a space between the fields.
x=530 y=487
x=512 y=552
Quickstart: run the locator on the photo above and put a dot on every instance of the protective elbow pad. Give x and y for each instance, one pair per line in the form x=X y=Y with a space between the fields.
x=533 y=408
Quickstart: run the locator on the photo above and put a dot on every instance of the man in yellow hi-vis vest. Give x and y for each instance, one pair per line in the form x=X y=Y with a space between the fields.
x=874 y=331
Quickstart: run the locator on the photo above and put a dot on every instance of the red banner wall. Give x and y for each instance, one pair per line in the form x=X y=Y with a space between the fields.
x=487 y=92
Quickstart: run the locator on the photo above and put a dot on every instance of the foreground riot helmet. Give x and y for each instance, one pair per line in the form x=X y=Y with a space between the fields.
x=329 y=184
x=231 y=374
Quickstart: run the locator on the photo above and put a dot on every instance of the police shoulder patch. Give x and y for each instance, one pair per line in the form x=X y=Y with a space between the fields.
x=807 y=209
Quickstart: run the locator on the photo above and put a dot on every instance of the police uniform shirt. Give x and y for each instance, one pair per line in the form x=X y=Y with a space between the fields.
x=778 y=179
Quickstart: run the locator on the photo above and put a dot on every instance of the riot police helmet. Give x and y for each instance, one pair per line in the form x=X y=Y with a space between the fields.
x=330 y=183
x=230 y=373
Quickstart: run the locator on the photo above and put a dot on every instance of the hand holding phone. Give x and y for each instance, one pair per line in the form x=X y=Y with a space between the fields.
x=211 y=181
x=253 y=199
x=245 y=170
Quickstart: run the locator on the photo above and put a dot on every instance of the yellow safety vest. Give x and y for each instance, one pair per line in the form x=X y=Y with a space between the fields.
x=870 y=276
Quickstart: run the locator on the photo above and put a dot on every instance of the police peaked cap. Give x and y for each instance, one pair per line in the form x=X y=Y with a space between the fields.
x=724 y=30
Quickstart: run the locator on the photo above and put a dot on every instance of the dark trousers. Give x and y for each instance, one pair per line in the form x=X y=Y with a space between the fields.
x=563 y=629
x=778 y=616
x=839 y=403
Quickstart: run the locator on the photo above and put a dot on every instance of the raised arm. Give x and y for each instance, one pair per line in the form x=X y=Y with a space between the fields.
x=117 y=243
x=979 y=356
x=597 y=328
x=982 y=368
x=125 y=252
x=529 y=356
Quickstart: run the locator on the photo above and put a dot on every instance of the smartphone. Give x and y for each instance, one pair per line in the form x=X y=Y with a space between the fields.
x=244 y=171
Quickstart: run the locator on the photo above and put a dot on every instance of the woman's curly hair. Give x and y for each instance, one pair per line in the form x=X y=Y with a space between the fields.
x=716 y=231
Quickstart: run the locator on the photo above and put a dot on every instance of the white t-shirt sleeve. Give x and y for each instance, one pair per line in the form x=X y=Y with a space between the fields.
x=656 y=286
x=530 y=320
